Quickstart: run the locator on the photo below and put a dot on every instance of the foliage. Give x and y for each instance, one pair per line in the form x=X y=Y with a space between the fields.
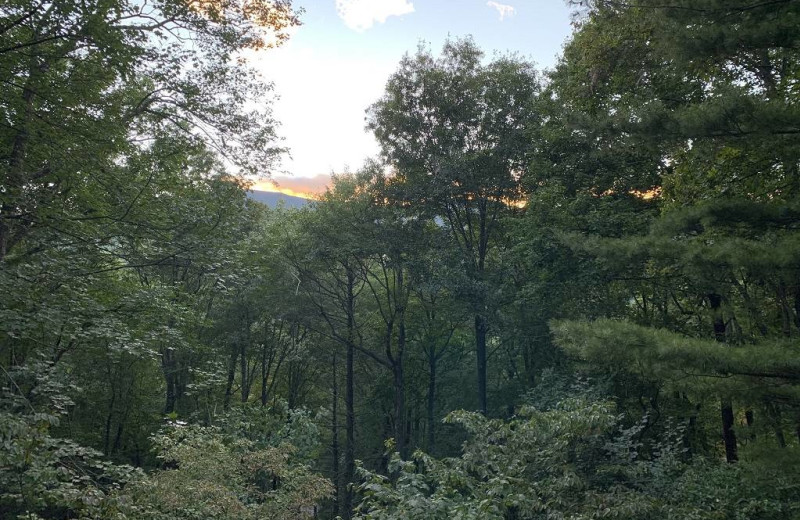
x=42 y=476
x=208 y=474
x=576 y=460
x=706 y=287
x=700 y=366
x=273 y=427
x=620 y=236
x=457 y=133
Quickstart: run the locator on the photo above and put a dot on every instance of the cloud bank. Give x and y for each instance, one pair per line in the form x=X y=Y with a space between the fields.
x=360 y=15
x=502 y=9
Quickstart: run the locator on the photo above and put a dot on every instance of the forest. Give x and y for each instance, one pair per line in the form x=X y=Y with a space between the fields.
x=570 y=293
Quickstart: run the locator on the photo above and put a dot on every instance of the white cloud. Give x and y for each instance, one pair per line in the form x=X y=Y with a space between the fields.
x=360 y=15
x=503 y=9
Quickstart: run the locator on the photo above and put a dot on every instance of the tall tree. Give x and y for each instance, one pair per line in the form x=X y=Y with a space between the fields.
x=699 y=85
x=325 y=261
x=456 y=132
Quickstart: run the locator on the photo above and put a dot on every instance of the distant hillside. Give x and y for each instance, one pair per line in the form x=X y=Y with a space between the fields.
x=272 y=199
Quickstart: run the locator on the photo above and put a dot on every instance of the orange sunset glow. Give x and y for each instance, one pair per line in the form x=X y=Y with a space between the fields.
x=304 y=187
x=272 y=187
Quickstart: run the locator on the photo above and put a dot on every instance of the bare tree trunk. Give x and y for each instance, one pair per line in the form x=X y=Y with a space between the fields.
x=691 y=434
x=296 y=381
x=226 y=403
x=247 y=378
x=728 y=437
x=244 y=372
x=169 y=366
x=350 y=425
x=401 y=436
x=350 y=435
x=118 y=437
x=399 y=410
x=109 y=417
x=726 y=407
x=264 y=374
x=797 y=305
x=335 y=438
x=480 y=351
x=431 y=445
x=528 y=361
x=797 y=428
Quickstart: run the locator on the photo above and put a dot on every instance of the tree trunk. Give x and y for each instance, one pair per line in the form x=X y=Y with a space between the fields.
x=726 y=407
x=399 y=377
x=350 y=426
x=750 y=420
x=109 y=418
x=779 y=436
x=296 y=383
x=797 y=305
x=226 y=402
x=480 y=351
x=528 y=351
x=692 y=437
x=350 y=435
x=118 y=437
x=399 y=410
x=335 y=439
x=797 y=428
x=169 y=367
x=431 y=402
x=728 y=436
x=244 y=372
x=264 y=374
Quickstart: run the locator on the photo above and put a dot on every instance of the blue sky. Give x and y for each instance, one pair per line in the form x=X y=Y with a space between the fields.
x=337 y=63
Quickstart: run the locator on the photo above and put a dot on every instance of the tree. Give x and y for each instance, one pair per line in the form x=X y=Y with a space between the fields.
x=395 y=243
x=724 y=159
x=118 y=214
x=439 y=320
x=325 y=262
x=456 y=132
x=90 y=87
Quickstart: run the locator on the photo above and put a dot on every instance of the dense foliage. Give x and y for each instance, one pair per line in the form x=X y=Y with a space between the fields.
x=578 y=461
x=562 y=294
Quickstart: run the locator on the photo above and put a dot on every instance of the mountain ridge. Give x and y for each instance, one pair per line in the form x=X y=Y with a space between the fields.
x=273 y=198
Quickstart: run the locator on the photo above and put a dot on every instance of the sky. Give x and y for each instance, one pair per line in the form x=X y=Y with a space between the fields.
x=338 y=61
